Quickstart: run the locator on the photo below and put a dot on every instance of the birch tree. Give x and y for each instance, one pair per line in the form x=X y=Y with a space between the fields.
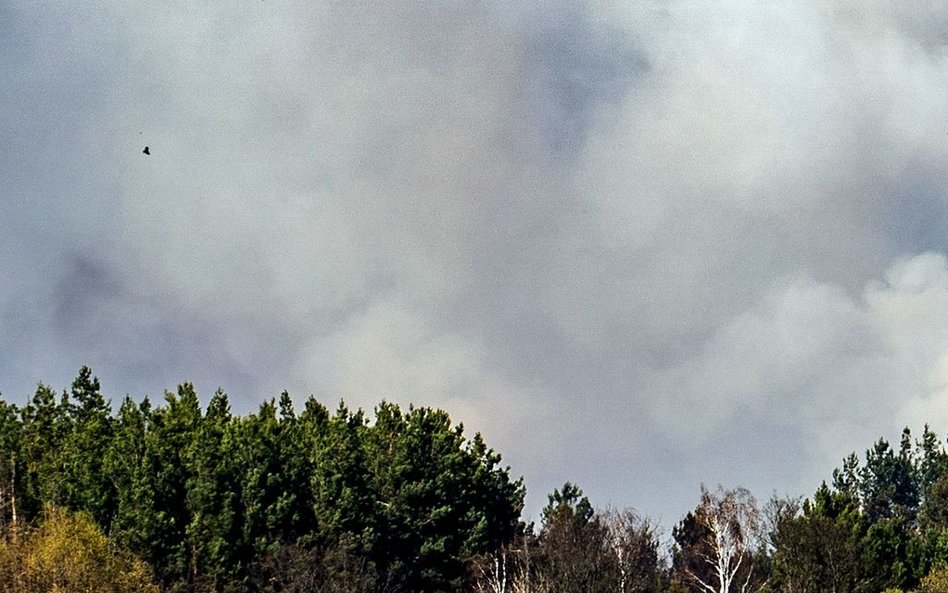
x=635 y=546
x=10 y=445
x=718 y=541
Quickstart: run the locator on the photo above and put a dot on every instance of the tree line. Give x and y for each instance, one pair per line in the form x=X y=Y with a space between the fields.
x=880 y=525
x=262 y=502
x=177 y=497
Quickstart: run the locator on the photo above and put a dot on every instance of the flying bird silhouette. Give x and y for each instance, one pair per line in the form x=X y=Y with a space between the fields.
x=146 y=151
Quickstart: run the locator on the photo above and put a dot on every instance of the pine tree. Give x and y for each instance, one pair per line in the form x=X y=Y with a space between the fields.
x=212 y=498
x=171 y=429
x=575 y=552
x=430 y=514
x=86 y=486
x=344 y=505
x=45 y=426
x=127 y=467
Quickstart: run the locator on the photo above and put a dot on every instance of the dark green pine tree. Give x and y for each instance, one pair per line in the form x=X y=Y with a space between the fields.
x=173 y=428
x=212 y=499
x=823 y=549
x=293 y=512
x=934 y=511
x=216 y=502
x=255 y=445
x=401 y=488
x=344 y=505
x=890 y=501
x=128 y=466
x=847 y=479
x=310 y=429
x=86 y=486
x=932 y=462
x=45 y=426
x=929 y=547
x=689 y=553
x=887 y=482
x=424 y=473
x=497 y=501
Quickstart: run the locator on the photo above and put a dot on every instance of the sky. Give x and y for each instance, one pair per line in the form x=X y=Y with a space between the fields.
x=639 y=246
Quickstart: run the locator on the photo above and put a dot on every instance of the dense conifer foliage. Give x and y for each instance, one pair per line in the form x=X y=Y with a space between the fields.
x=180 y=497
x=263 y=502
x=879 y=527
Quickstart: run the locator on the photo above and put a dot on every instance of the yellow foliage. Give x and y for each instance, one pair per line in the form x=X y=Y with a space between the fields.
x=935 y=582
x=68 y=553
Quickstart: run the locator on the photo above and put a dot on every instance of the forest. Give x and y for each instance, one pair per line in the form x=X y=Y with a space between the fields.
x=173 y=496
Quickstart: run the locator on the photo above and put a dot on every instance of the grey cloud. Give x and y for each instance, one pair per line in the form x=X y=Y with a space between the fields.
x=921 y=23
x=815 y=366
x=574 y=227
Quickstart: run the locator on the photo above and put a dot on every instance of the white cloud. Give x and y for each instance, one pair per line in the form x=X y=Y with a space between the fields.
x=838 y=371
x=602 y=234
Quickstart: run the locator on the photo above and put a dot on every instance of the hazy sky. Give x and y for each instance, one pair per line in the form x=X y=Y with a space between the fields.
x=637 y=245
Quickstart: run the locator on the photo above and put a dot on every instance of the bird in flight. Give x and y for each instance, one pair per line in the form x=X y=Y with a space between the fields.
x=146 y=151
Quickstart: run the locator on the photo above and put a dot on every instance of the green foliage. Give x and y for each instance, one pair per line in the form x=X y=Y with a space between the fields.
x=45 y=426
x=691 y=537
x=888 y=482
x=212 y=493
x=828 y=547
x=166 y=516
x=884 y=524
x=128 y=464
x=574 y=545
x=221 y=503
x=439 y=498
x=85 y=484
x=934 y=512
x=403 y=500
x=567 y=504
x=345 y=509
x=932 y=461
